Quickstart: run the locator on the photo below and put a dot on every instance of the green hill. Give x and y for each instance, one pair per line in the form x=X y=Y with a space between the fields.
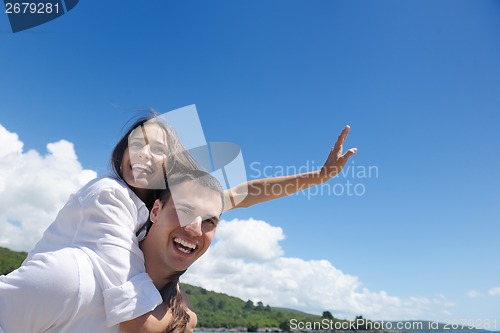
x=214 y=310
x=10 y=260
x=217 y=310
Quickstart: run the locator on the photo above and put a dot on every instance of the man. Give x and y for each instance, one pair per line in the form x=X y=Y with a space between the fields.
x=184 y=220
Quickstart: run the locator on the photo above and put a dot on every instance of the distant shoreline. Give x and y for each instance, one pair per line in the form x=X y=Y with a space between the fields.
x=276 y=329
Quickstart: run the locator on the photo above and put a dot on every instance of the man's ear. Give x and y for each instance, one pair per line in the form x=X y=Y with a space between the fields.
x=153 y=216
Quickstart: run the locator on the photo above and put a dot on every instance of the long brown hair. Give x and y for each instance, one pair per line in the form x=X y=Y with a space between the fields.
x=172 y=297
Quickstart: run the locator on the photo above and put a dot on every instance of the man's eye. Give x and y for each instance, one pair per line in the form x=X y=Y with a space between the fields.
x=184 y=213
x=182 y=210
x=208 y=225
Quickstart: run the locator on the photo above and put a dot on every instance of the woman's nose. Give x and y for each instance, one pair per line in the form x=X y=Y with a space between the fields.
x=145 y=152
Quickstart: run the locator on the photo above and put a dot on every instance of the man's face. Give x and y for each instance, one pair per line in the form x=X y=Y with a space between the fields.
x=183 y=228
x=142 y=161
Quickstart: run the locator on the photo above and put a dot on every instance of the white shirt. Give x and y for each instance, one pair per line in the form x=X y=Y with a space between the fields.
x=54 y=292
x=101 y=220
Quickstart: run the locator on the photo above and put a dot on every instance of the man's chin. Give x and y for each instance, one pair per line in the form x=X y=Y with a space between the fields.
x=183 y=264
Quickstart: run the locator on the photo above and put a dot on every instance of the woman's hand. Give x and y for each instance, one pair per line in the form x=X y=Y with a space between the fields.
x=336 y=160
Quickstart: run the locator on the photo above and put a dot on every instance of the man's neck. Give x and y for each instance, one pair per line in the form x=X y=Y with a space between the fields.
x=157 y=271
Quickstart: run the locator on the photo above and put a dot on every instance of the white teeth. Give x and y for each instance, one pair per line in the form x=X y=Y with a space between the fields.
x=185 y=244
x=142 y=167
x=183 y=250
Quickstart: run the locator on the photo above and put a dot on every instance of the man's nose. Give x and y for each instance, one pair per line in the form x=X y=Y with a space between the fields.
x=194 y=228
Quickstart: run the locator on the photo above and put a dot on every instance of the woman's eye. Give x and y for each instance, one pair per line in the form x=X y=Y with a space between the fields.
x=136 y=145
x=159 y=150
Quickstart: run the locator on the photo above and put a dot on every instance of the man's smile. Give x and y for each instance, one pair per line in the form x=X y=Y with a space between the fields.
x=184 y=245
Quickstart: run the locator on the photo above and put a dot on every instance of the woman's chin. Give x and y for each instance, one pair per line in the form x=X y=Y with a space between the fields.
x=146 y=183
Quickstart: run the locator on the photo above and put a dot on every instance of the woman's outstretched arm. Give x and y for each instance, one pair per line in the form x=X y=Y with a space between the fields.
x=261 y=190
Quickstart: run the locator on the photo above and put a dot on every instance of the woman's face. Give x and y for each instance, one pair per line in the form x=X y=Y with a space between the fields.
x=146 y=156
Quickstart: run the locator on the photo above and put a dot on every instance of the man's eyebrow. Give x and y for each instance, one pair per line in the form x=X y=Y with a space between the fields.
x=183 y=205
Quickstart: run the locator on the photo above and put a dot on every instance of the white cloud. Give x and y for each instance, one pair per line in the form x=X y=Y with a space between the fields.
x=440 y=299
x=252 y=239
x=247 y=261
x=34 y=187
x=13 y=146
x=494 y=291
x=473 y=293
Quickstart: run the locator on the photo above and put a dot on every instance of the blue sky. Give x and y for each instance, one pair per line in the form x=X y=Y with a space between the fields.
x=417 y=81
